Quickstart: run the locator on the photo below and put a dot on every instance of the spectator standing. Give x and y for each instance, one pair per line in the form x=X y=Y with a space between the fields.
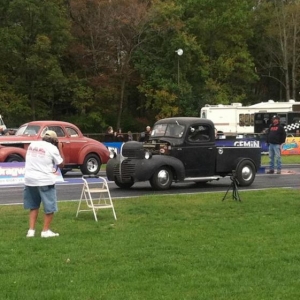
x=109 y=134
x=110 y=130
x=130 y=136
x=276 y=136
x=145 y=135
x=42 y=157
x=119 y=135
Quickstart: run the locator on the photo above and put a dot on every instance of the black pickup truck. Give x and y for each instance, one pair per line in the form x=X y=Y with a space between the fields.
x=181 y=149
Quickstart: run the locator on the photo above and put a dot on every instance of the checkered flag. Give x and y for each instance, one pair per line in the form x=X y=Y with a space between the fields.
x=292 y=126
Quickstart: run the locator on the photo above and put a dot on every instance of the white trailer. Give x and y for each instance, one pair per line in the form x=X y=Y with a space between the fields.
x=2 y=124
x=236 y=119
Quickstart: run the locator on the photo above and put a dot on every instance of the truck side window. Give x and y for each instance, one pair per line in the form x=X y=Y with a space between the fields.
x=198 y=133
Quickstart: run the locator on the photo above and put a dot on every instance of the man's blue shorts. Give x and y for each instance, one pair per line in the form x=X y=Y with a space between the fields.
x=34 y=195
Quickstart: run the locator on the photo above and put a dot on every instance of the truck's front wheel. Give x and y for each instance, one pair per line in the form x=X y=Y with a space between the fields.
x=124 y=185
x=245 y=173
x=162 y=179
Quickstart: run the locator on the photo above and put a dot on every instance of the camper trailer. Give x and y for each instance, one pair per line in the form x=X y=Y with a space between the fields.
x=237 y=119
x=2 y=125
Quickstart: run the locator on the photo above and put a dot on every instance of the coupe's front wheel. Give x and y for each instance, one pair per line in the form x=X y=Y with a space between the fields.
x=245 y=173
x=162 y=179
x=91 y=165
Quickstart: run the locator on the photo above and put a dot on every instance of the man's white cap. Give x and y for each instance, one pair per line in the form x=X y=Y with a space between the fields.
x=52 y=134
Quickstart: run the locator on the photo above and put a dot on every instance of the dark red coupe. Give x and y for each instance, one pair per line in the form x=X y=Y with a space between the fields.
x=79 y=151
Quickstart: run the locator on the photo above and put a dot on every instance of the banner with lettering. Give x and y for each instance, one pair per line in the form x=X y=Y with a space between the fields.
x=13 y=173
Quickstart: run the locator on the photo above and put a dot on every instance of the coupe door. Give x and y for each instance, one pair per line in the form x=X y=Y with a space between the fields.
x=64 y=139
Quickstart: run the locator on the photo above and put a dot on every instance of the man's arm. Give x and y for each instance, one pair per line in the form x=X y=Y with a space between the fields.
x=60 y=146
x=283 y=135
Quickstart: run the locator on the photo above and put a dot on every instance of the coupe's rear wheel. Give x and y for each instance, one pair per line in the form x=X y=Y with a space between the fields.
x=91 y=165
x=15 y=158
x=245 y=173
x=162 y=179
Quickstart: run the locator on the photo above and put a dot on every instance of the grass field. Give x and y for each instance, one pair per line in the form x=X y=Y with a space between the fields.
x=161 y=247
x=286 y=159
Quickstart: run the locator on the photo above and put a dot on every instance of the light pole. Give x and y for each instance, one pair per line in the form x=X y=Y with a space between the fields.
x=179 y=52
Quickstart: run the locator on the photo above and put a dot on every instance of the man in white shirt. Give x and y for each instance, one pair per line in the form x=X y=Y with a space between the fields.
x=42 y=160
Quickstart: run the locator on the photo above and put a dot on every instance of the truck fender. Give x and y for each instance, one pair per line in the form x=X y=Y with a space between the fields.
x=239 y=160
x=146 y=167
x=244 y=171
x=7 y=152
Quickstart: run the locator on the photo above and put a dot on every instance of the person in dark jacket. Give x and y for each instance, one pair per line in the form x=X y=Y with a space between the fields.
x=145 y=135
x=276 y=136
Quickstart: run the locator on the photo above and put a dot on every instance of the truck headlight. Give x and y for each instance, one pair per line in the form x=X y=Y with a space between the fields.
x=112 y=154
x=148 y=154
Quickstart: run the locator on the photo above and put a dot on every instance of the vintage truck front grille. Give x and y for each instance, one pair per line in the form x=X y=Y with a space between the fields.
x=127 y=171
x=133 y=153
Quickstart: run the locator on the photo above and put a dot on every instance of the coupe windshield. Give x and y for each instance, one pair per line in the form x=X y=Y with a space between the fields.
x=169 y=130
x=28 y=130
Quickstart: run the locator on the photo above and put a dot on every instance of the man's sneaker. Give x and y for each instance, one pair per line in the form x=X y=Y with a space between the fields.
x=48 y=233
x=270 y=172
x=278 y=172
x=30 y=233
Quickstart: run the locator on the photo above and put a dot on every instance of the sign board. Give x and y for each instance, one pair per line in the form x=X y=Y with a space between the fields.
x=291 y=146
x=13 y=173
x=116 y=146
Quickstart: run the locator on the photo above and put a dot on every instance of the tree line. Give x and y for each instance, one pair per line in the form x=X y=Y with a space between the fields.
x=117 y=62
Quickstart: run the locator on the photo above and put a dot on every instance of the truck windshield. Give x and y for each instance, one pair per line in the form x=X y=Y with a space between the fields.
x=28 y=130
x=169 y=130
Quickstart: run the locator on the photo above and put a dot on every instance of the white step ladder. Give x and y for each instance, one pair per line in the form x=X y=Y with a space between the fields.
x=102 y=198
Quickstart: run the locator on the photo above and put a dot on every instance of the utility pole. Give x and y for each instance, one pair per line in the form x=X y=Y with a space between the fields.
x=179 y=52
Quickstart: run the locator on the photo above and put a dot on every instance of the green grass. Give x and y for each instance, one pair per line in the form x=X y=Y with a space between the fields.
x=161 y=247
x=286 y=159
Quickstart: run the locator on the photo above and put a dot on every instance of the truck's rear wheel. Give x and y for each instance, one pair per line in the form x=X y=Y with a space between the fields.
x=245 y=173
x=124 y=185
x=162 y=179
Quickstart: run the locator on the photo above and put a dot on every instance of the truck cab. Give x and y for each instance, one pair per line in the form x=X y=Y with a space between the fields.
x=181 y=150
x=197 y=136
